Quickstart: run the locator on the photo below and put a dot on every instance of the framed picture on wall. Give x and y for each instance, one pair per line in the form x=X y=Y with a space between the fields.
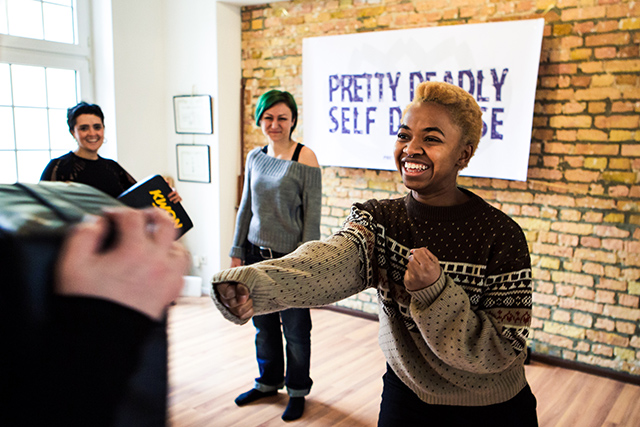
x=194 y=163
x=193 y=114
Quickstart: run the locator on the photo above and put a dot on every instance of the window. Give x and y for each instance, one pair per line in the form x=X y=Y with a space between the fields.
x=44 y=69
x=52 y=20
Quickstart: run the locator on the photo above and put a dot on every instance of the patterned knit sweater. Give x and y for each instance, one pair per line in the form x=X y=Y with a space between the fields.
x=460 y=341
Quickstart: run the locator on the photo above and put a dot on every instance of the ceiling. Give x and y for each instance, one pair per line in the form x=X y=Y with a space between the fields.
x=249 y=2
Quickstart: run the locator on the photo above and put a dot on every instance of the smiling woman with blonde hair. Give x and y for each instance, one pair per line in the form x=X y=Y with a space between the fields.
x=452 y=274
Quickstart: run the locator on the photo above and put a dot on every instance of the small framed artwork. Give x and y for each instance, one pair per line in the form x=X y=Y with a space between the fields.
x=194 y=163
x=193 y=114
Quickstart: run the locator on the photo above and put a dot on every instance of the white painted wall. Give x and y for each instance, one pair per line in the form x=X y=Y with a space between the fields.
x=203 y=57
x=227 y=115
x=103 y=78
x=162 y=48
x=139 y=80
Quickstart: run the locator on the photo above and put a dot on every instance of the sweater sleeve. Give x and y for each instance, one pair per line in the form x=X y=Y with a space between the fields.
x=243 y=217
x=316 y=274
x=483 y=338
x=312 y=204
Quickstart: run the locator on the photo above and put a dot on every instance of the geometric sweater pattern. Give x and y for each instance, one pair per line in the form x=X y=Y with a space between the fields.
x=507 y=296
x=459 y=341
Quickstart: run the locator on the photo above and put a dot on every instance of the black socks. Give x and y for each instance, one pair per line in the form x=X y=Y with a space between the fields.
x=294 y=410
x=253 y=395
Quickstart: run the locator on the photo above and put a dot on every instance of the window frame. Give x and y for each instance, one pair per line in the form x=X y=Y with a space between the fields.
x=43 y=53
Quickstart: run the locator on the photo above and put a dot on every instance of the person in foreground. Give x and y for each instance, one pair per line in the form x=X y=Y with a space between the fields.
x=84 y=165
x=74 y=371
x=452 y=273
x=279 y=210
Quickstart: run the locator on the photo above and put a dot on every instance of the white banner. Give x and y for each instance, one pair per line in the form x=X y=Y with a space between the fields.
x=355 y=87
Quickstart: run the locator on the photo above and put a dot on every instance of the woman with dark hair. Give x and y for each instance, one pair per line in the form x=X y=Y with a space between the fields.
x=280 y=209
x=84 y=165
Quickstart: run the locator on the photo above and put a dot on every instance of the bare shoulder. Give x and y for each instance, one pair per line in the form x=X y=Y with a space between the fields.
x=308 y=157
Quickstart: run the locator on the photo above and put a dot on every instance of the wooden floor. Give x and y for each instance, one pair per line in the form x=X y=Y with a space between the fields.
x=211 y=361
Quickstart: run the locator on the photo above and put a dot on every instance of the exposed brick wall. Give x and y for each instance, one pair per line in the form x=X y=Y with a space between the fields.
x=580 y=206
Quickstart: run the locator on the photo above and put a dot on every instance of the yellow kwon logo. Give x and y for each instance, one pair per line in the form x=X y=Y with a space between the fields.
x=161 y=202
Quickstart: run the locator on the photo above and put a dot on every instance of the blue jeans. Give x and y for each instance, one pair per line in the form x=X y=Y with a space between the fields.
x=401 y=407
x=296 y=324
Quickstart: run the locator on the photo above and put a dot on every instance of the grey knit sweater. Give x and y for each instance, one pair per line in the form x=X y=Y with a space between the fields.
x=280 y=206
x=460 y=341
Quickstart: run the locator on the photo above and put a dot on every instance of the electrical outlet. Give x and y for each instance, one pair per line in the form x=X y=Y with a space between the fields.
x=195 y=261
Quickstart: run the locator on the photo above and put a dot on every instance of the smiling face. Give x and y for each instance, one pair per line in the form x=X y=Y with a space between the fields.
x=429 y=154
x=276 y=123
x=89 y=133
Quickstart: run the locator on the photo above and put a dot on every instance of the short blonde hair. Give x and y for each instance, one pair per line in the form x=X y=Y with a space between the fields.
x=464 y=110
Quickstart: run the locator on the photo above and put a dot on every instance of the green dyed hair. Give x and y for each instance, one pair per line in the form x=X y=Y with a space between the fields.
x=273 y=97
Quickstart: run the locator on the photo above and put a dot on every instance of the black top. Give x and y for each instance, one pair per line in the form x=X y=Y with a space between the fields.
x=74 y=370
x=104 y=174
x=296 y=153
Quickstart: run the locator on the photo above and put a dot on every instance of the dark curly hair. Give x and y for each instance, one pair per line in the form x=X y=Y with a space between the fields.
x=83 y=108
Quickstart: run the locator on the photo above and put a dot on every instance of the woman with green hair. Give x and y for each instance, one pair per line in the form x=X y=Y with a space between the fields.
x=279 y=210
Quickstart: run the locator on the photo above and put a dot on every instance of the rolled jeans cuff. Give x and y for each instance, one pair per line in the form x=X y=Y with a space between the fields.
x=267 y=388
x=298 y=393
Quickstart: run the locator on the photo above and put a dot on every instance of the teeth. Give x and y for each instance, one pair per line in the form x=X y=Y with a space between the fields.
x=415 y=166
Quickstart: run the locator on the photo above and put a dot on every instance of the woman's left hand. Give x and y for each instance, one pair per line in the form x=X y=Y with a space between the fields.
x=423 y=270
x=143 y=269
x=174 y=197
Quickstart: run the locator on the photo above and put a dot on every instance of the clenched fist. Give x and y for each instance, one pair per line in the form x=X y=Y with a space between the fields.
x=235 y=296
x=423 y=270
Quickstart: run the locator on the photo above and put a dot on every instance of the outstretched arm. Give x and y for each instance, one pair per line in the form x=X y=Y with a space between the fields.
x=316 y=274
